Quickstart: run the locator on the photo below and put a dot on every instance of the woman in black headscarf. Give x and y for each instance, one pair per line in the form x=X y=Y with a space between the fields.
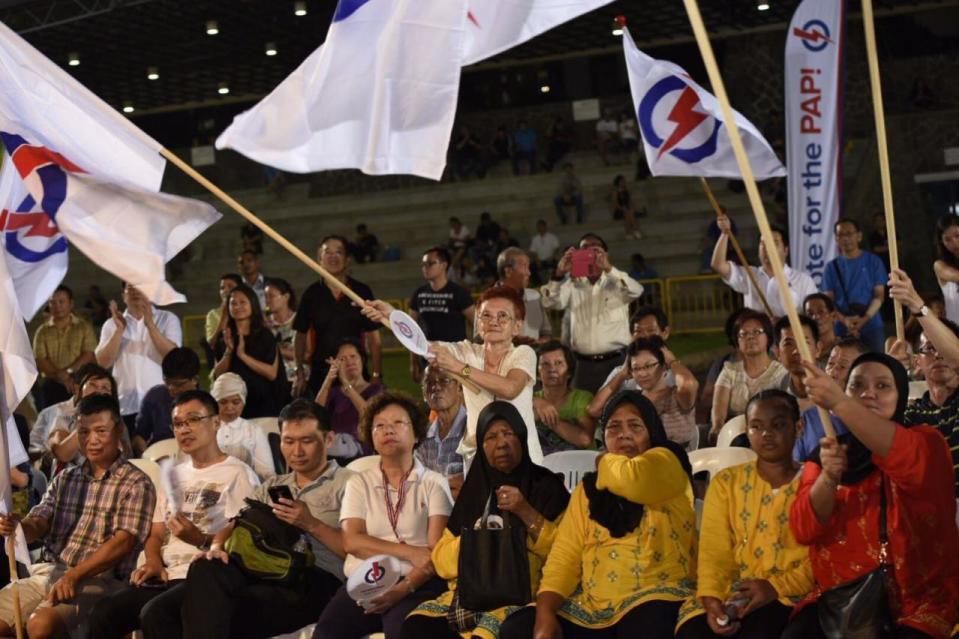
x=623 y=558
x=508 y=489
x=837 y=510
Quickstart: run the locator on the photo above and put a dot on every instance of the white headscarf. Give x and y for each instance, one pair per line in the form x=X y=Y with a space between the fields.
x=228 y=385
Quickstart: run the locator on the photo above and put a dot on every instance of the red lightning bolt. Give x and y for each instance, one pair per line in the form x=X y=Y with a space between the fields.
x=685 y=118
x=472 y=18
x=814 y=36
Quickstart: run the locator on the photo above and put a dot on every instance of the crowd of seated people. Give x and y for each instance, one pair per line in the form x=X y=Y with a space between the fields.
x=243 y=538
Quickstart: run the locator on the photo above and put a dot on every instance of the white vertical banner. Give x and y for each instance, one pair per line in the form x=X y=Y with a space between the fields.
x=815 y=61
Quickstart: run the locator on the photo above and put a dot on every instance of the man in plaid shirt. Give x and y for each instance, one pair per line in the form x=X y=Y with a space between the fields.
x=93 y=522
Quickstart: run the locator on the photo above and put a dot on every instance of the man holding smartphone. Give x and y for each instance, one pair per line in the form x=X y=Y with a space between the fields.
x=203 y=494
x=221 y=600
x=598 y=296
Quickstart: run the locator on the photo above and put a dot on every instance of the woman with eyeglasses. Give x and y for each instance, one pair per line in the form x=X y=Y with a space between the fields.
x=663 y=380
x=752 y=571
x=880 y=495
x=398 y=508
x=500 y=369
x=756 y=371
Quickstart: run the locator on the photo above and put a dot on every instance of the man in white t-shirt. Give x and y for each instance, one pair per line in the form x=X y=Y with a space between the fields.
x=734 y=275
x=544 y=246
x=134 y=344
x=222 y=601
x=207 y=491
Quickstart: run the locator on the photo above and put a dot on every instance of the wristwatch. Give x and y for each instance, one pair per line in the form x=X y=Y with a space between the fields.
x=923 y=311
x=466 y=372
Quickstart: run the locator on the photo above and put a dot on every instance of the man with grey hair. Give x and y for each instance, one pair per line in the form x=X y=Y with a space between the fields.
x=512 y=267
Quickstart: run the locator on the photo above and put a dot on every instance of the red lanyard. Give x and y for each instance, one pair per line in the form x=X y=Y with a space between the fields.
x=393 y=512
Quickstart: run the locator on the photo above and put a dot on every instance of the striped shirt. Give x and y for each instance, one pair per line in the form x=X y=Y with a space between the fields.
x=84 y=513
x=440 y=454
x=945 y=418
x=62 y=346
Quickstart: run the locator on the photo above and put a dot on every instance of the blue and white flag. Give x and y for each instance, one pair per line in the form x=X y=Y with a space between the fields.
x=379 y=95
x=77 y=172
x=682 y=123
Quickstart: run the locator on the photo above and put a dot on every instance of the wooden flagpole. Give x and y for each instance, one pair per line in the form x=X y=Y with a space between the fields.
x=715 y=78
x=14 y=586
x=883 y=149
x=738 y=249
x=285 y=243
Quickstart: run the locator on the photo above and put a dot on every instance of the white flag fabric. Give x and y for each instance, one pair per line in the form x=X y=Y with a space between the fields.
x=497 y=25
x=814 y=70
x=18 y=370
x=77 y=171
x=682 y=126
x=379 y=95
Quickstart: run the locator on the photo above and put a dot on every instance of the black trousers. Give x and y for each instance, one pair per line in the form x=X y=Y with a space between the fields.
x=419 y=626
x=768 y=621
x=344 y=619
x=591 y=374
x=805 y=625
x=220 y=601
x=651 y=620
x=119 y=614
x=52 y=392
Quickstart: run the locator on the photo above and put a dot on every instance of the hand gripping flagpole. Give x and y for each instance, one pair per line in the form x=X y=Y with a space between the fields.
x=738 y=249
x=883 y=149
x=282 y=241
x=715 y=78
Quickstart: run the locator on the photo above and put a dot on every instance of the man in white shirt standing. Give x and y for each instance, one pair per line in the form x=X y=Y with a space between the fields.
x=134 y=344
x=208 y=490
x=599 y=311
x=735 y=276
x=543 y=246
x=512 y=266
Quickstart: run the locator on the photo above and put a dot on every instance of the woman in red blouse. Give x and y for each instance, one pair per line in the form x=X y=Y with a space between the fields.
x=837 y=510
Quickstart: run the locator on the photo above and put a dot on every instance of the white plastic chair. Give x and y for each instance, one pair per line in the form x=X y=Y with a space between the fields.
x=162 y=449
x=302 y=633
x=713 y=460
x=573 y=464
x=917 y=389
x=693 y=442
x=364 y=463
x=267 y=424
x=730 y=431
x=151 y=468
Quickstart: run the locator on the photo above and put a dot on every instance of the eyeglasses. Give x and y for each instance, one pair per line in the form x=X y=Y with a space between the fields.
x=929 y=350
x=647 y=368
x=192 y=422
x=501 y=317
x=756 y=332
x=438 y=382
x=429 y=263
x=399 y=424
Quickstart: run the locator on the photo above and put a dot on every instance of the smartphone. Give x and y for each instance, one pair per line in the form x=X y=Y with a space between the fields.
x=584 y=263
x=278 y=492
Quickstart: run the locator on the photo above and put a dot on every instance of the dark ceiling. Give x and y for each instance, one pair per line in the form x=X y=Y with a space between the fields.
x=117 y=40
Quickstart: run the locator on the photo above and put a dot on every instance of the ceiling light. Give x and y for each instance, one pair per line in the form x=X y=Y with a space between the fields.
x=212 y=28
x=544 y=88
x=299 y=8
x=128 y=107
x=762 y=6
x=617 y=31
x=153 y=73
x=270 y=48
x=223 y=89
x=73 y=59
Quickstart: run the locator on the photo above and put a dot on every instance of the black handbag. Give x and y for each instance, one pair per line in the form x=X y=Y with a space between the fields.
x=860 y=609
x=493 y=568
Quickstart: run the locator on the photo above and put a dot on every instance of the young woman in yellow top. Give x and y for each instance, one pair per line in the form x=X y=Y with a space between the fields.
x=752 y=571
x=529 y=497
x=624 y=555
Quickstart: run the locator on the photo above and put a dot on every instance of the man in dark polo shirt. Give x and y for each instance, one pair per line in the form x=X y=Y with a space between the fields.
x=441 y=307
x=333 y=317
